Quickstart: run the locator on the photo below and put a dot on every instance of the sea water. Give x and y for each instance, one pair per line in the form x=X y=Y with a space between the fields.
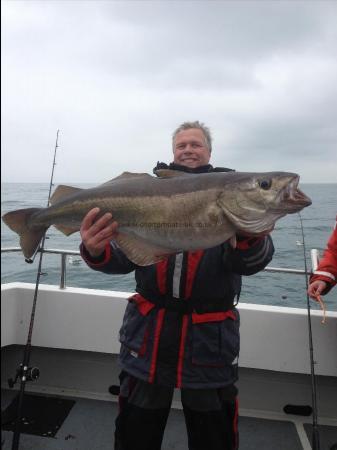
x=262 y=288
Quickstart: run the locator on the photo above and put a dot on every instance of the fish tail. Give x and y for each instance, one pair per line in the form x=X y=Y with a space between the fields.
x=30 y=237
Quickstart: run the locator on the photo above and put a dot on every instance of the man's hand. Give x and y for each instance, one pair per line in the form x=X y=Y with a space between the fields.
x=96 y=234
x=316 y=287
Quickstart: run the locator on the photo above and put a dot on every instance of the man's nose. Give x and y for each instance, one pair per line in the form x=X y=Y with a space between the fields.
x=188 y=148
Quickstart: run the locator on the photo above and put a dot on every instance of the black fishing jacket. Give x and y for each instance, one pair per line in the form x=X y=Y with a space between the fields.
x=181 y=327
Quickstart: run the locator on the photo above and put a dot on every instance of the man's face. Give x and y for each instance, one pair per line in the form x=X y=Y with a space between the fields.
x=190 y=149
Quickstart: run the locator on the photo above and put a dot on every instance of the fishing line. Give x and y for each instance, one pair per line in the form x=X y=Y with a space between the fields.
x=315 y=431
x=24 y=372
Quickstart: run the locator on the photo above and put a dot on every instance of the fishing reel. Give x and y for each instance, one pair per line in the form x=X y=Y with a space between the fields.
x=25 y=374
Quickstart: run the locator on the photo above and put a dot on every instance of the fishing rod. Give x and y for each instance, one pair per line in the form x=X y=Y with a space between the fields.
x=315 y=431
x=24 y=372
x=31 y=260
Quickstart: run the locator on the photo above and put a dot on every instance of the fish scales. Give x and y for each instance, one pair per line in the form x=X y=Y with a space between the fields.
x=159 y=223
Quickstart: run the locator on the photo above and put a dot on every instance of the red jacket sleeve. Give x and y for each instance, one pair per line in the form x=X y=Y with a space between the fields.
x=327 y=267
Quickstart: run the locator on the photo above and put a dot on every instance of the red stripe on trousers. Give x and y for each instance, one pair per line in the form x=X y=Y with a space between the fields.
x=182 y=350
x=159 y=325
x=193 y=259
x=161 y=268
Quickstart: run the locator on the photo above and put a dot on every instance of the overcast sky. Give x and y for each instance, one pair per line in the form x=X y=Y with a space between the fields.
x=116 y=78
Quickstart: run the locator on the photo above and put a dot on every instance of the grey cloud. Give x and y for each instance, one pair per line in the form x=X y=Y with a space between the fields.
x=199 y=27
x=118 y=77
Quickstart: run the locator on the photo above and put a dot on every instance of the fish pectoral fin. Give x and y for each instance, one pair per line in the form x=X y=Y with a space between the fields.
x=141 y=252
x=62 y=192
x=169 y=173
x=66 y=229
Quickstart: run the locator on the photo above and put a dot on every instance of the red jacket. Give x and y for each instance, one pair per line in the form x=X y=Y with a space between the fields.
x=327 y=267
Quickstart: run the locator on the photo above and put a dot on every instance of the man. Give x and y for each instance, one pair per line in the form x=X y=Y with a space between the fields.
x=325 y=276
x=181 y=329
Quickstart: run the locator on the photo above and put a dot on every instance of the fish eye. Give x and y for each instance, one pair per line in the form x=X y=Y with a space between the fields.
x=265 y=184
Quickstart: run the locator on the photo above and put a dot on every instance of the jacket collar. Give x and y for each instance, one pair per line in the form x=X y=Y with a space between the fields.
x=200 y=169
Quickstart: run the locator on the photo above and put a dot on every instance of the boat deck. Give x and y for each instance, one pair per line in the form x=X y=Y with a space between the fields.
x=90 y=425
x=85 y=377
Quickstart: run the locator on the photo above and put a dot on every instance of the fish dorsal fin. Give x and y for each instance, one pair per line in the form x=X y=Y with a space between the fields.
x=62 y=192
x=126 y=176
x=169 y=173
x=140 y=252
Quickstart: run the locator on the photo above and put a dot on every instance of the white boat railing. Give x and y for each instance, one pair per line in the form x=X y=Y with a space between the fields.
x=64 y=253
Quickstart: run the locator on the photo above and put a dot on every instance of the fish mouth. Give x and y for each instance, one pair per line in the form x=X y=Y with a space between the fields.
x=293 y=197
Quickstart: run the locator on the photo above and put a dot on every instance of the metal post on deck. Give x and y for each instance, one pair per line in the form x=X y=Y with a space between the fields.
x=314 y=253
x=63 y=270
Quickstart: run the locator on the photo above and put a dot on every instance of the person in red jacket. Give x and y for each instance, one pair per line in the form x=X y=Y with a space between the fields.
x=325 y=276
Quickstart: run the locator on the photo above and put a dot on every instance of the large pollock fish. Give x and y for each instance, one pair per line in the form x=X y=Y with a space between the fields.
x=173 y=212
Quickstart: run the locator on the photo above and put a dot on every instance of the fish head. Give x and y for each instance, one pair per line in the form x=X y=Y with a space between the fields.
x=253 y=202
